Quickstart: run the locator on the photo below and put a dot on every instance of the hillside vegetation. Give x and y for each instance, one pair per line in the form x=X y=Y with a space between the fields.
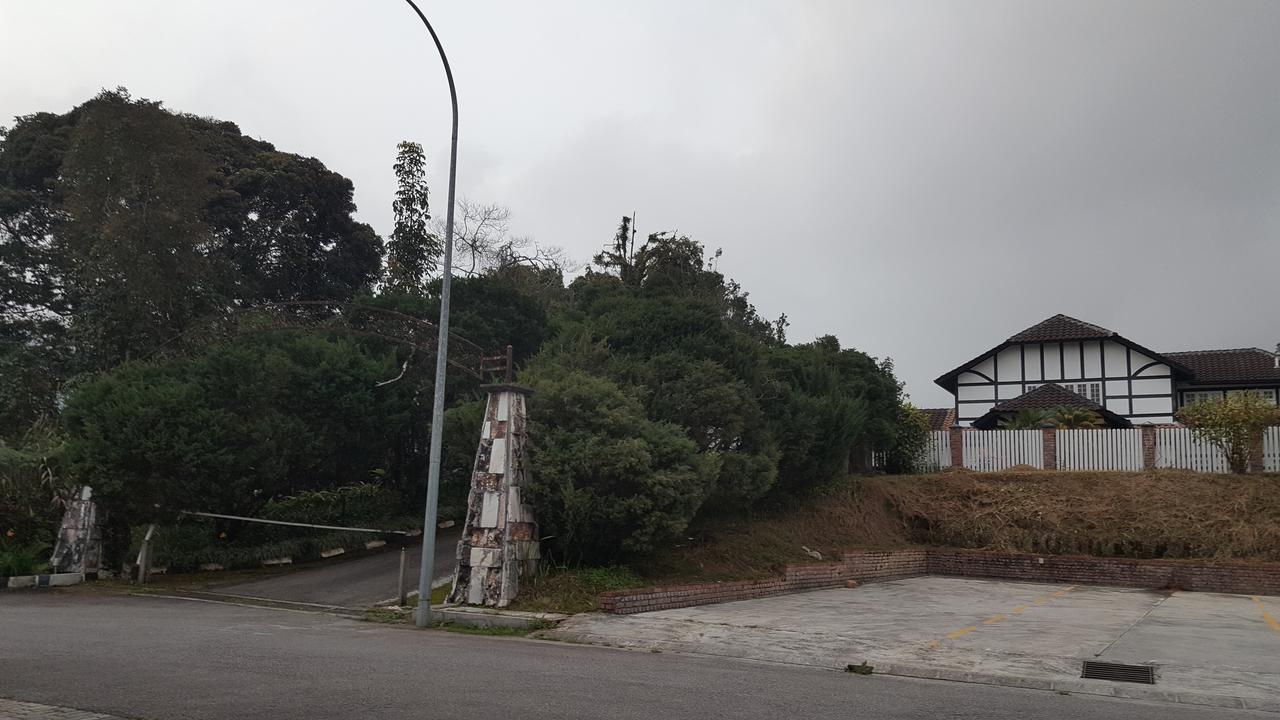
x=1162 y=514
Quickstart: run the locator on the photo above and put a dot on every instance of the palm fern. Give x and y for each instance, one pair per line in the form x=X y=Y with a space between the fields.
x=1075 y=418
x=1025 y=420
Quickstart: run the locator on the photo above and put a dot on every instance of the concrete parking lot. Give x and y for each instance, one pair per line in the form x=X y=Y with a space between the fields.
x=1207 y=648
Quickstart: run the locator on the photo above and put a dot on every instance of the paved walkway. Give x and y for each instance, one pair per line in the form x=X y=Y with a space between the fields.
x=356 y=583
x=14 y=710
x=1207 y=648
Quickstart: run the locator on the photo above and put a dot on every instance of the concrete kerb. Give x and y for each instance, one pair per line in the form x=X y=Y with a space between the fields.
x=1080 y=687
x=14 y=582
x=489 y=617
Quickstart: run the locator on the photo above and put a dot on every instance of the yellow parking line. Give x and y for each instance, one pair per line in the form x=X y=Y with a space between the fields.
x=1271 y=621
x=1042 y=600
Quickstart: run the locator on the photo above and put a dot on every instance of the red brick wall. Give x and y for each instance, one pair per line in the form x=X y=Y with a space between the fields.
x=862 y=566
x=870 y=565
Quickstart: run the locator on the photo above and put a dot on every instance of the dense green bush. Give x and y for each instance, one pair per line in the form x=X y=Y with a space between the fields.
x=22 y=559
x=31 y=487
x=607 y=481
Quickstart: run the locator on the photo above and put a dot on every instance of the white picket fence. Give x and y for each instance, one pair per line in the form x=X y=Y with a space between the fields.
x=1001 y=449
x=1271 y=450
x=1180 y=448
x=1112 y=449
x=937 y=452
x=1100 y=449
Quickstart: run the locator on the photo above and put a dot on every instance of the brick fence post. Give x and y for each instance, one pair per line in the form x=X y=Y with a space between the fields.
x=957 y=446
x=1050 y=442
x=1148 y=447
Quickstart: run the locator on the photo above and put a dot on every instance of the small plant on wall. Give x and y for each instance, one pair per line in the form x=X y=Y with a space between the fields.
x=1233 y=425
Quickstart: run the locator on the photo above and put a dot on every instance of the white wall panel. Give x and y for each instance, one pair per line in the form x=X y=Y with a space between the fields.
x=1116 y=387
x=986 y=366
x=1033 y=362
x=1152 y=405
x=968 y=377
x=975 y=392
x=1116 y=357
x=1052 y=361
x=1009 y=364
x=1071 y=357
x=1158 y=369
x=1092 y=359
x=1158 y=386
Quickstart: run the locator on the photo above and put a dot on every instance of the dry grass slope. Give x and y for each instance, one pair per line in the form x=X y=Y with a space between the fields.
x=1161 y=514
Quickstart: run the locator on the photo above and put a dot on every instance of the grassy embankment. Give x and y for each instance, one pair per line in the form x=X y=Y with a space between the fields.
x=1163 y=514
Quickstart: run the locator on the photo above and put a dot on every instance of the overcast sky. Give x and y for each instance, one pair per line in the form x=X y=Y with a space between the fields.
x=921 y=179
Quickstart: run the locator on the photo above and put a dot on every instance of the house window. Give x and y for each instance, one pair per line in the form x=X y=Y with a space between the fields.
x=1091 y=390
x=1268 y=395
x=1189 y=398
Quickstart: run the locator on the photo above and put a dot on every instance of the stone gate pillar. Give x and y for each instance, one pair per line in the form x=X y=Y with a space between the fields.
x=499 y=541
x=79 y=545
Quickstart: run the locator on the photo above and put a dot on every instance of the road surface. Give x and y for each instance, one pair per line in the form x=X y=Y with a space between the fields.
x=356 y=583
x=173 y=659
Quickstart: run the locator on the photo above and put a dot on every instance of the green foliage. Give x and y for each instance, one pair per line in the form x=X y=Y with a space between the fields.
x=1234 y=425
x=349 y=505
x=122 y=222
x=607 y=481
x=31 y=488
x=1074 y=418
x=908 y=442
x=1025 y=420
x=226 y=431
x=22 y=559
x=413 y=253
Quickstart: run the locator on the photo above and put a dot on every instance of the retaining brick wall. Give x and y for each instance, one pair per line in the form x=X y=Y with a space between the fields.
x=862 y=566
x=871 y=565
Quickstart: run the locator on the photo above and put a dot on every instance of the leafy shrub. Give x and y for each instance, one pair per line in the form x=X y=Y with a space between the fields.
x=607 y=481
x=1233 y=425
x=26 y=559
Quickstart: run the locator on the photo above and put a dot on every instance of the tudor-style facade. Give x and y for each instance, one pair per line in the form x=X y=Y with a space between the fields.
x=1127 y=379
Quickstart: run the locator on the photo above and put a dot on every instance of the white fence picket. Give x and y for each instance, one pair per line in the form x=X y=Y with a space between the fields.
x=1001 y=449
x=1180 y=448
x=1112 y=449
x=1271 y=450
x=937 y=452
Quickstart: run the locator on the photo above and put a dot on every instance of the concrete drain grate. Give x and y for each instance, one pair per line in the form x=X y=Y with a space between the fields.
x=1119 y=672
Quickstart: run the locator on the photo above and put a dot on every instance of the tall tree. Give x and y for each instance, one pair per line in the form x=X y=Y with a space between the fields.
x=121 y=222
x=413 y=253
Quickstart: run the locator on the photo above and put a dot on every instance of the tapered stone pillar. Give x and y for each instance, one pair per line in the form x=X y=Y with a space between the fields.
x=499 y=543
x=79 y=545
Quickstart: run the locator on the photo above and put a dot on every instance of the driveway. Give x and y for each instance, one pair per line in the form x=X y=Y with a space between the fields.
x=1207 y=648
x=356 y=583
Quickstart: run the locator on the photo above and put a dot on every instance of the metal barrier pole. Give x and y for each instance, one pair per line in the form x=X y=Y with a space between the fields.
x=403 y=594
x=144 y=555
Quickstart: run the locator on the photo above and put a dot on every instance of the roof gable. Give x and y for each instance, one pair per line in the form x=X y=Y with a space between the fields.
x=1061 y=327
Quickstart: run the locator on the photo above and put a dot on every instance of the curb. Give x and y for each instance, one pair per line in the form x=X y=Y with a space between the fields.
x=1080 y=687
x=489 y=617
x=13 y=582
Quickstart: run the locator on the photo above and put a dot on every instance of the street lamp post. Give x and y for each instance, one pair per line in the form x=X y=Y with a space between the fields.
x=423 y=615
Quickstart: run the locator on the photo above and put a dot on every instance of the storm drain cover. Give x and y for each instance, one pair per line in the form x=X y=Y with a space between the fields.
x=1119 y=672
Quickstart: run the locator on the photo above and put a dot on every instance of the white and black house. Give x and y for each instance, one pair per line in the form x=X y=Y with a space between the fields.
x=1104 y=371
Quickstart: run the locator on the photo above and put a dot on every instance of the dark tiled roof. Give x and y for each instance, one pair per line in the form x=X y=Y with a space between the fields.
x=940 y=418
x=1046 y=397
x=1239 y=365
x=1061 y=327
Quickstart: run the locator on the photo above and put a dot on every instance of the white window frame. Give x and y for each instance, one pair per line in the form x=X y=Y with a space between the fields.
x=1264 y=393
x=1091 y=389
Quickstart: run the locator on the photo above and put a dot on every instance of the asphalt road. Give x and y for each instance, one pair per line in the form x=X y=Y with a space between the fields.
x=354 y=583
x=173 y=659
